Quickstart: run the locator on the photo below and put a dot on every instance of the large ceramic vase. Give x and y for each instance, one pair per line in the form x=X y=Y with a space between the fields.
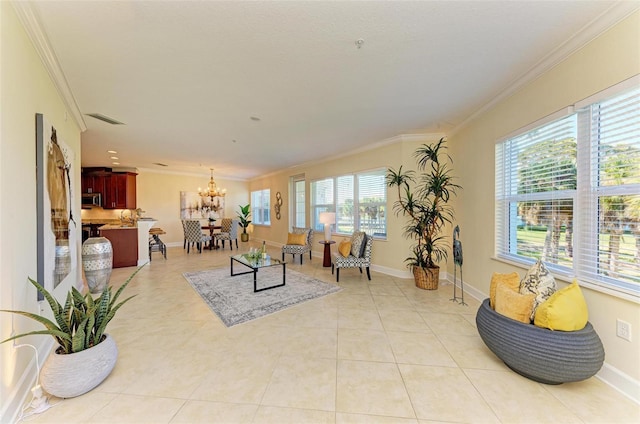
x=71 y=375
x=97 y=262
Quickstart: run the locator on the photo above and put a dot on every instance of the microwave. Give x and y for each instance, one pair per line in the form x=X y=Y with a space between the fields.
x=91 y=199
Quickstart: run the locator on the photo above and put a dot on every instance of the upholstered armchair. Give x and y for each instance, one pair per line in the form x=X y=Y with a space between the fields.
x=355 y=254
x=228 y=231
x=193 y=234
x=298 y=242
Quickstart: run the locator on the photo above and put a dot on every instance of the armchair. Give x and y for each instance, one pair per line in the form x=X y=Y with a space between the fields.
x=301 y=247
x=352 y=261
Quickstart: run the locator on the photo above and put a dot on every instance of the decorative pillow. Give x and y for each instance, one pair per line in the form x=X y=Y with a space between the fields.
x=539 y=282
x=514 y=305
x=565 y=310
x=344 y=248
x=297 y=239
x=511 y=280
x=358 y=242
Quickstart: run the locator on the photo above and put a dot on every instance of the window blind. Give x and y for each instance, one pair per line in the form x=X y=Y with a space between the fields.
x=610 y=230
x=568 y=192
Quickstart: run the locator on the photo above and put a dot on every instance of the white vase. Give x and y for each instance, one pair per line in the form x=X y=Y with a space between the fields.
x=97 y=262
x=74 y=374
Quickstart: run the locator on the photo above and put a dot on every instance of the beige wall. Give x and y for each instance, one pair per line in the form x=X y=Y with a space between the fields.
x=387 y=255
x=158 y=194
x=611 y=58
x=25 y=89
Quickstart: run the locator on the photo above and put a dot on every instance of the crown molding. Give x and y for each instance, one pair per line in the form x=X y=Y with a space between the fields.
x=607 y=19
x=31 y=23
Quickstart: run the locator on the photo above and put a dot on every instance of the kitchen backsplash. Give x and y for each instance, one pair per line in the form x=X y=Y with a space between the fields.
x=99 y=213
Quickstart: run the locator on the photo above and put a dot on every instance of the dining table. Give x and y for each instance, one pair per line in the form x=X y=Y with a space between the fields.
x=212 y=229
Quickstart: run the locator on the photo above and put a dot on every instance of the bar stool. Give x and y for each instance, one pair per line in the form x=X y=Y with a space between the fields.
x=155 y=244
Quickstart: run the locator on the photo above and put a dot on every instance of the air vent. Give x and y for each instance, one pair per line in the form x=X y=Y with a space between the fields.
x=104 y=118
x=160 y=164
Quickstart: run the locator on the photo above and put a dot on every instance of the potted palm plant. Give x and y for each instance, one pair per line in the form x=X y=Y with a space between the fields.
x=243 y=216
x=424 y=200
x=86 y=354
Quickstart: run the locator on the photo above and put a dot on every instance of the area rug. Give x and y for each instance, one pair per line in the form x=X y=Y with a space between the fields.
x=233 y=299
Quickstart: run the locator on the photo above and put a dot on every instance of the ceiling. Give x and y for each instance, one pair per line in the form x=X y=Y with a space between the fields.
x=186 y=78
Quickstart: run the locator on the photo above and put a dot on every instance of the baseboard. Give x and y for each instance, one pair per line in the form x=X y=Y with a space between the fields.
x=21 y=392
x=393 y=272
x=608 y=374
x=620 y=381
x=472 y=291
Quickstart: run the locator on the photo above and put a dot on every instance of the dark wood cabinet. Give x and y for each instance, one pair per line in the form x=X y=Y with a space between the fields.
x=92 y=184
x=119 y=191
x=124 y=242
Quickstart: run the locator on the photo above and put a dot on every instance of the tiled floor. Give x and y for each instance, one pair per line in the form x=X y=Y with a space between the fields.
x=377 y=352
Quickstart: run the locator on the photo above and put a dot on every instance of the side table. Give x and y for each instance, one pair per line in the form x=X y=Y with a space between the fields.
x=326 y=261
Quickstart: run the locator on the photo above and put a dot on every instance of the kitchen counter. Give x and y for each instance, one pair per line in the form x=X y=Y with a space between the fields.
x=134 y=246
x=118 y=227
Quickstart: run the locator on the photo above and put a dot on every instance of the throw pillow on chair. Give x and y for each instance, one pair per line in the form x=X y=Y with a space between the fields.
x=344 y=248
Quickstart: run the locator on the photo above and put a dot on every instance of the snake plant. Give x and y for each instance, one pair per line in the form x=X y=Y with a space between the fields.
x=81 y=322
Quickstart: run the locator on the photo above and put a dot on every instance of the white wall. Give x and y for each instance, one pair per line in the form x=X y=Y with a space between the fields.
x=25 y=89
x=607 y=60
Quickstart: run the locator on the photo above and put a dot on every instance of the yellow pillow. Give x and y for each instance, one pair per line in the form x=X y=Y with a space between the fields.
x=297 y=239
x=344 y=248
x=565 y=310
x=511 y=280
x=514 y=305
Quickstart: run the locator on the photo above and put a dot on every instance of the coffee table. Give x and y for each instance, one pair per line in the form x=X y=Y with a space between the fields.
x=255 y=264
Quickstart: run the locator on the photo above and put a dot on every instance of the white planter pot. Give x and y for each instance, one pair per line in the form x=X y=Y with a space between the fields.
x=71 y=375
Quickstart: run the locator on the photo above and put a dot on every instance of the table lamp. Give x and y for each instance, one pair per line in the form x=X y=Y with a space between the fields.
x=327 y=218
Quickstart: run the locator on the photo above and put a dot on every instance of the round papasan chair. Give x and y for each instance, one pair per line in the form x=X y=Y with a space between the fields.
x=542 y=355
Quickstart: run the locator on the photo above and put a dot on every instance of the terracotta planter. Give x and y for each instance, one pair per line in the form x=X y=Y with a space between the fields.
x=72 y=375
x=426 y=278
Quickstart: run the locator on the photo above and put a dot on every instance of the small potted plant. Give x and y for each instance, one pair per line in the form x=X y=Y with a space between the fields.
x=243 y=216
x=424 y=200
x=86 y=354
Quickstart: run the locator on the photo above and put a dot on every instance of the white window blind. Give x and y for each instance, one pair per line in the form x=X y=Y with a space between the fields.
x=299 y=204
x=568 y=192
x=322 y=200
x=372 y=202
x=260 y=207
x=345 y=220
x=610 y=132
x=359 y=201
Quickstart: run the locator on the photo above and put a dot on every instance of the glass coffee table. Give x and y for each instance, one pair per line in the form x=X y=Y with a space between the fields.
x=255 y=264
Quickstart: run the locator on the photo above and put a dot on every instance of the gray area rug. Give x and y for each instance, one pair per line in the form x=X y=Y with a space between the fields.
x=233 y=299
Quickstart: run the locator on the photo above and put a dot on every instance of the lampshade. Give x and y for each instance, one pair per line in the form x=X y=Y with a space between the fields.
x=327 y=218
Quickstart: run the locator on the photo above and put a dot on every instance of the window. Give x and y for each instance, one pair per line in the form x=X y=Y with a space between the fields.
x=359 y=200
x=298 y=206
x=568 y=192
x=260 y=207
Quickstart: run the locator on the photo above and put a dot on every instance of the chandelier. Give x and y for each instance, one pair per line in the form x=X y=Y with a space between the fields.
x=212 y=189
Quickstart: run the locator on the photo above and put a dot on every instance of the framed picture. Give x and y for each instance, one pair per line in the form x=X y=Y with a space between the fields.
x=55 y=187
x=194 y=206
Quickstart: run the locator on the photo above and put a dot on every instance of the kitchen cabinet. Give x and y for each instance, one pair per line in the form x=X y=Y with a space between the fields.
x=124 y=243
x=92 y=183
x=119 y=191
